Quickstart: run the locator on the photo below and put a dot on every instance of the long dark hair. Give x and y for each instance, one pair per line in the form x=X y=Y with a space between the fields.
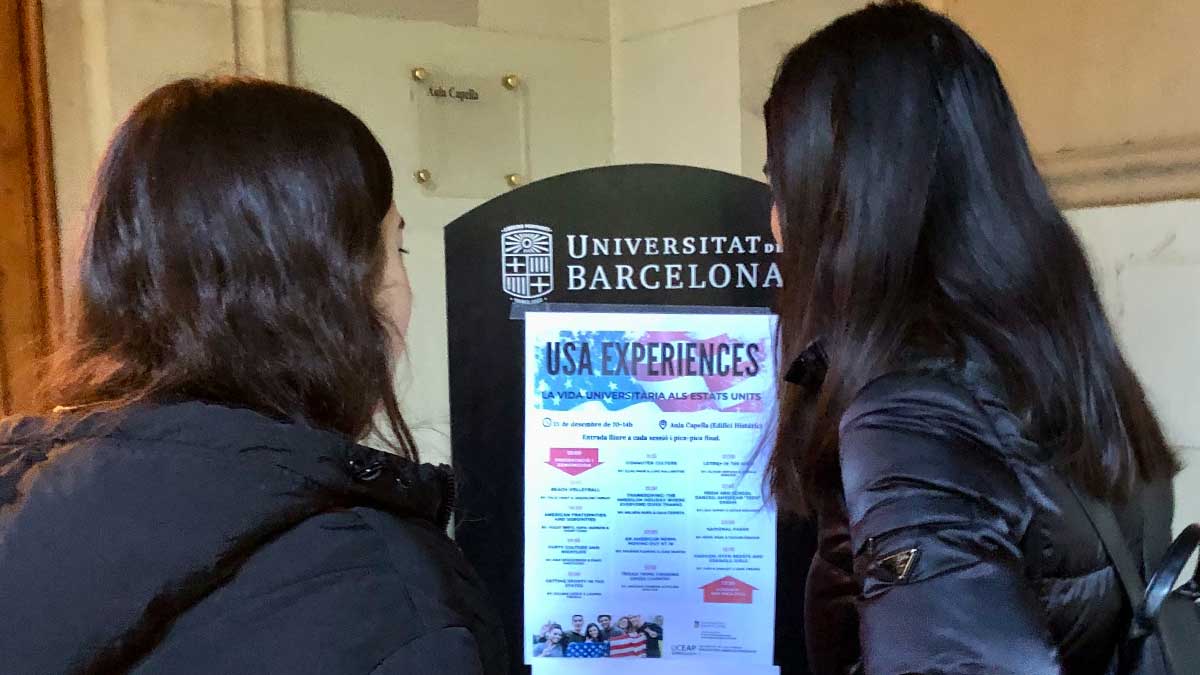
x=913 y=218
x=234 y=256
x=587 y=632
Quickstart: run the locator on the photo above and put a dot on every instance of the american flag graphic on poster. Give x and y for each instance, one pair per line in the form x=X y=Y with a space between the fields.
x=587 y=650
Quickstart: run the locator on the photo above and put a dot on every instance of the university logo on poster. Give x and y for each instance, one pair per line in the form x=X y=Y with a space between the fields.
x=527 y=261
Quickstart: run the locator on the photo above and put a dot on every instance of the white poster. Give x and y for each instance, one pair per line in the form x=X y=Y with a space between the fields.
x=646 y=533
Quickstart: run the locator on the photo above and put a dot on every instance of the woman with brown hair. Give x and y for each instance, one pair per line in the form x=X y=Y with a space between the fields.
x=192 y=498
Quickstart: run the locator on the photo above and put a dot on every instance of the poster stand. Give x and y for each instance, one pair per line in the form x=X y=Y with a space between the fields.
x=644 y=478
x=655 y=235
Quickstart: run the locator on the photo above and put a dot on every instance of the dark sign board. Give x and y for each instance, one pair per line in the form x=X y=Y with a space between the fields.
x=622 y=235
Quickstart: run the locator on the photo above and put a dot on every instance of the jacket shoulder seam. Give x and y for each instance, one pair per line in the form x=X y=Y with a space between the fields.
x=406 y=643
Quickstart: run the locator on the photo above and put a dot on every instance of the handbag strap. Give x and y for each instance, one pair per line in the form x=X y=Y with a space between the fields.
x=1104 y=522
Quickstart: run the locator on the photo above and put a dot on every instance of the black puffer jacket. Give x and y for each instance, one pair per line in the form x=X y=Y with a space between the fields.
x=954 y=549
x=193 y=538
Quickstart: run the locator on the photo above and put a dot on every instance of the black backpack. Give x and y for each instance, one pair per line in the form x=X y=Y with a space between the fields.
x=1164 y=634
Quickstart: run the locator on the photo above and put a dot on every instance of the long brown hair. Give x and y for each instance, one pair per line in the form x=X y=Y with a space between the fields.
x=234 y=256
x=913 y=218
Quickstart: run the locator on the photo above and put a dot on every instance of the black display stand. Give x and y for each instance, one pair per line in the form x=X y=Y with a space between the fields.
x=656 y=235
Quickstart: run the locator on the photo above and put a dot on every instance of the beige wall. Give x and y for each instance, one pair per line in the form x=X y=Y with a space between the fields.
x=674 y=63
x=671 y=95
x=578 y=19
x=363 y=61
x=1147 y=257
x=102 y=56
x=687 y=73
x=1107 y=89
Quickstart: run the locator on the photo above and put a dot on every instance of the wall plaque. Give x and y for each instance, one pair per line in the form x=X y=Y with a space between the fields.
x=471 y=132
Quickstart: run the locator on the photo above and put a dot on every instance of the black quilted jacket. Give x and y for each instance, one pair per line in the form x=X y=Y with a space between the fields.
x=193 y=538
x=954 y=549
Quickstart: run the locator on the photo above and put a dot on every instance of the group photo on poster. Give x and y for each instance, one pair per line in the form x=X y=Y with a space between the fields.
x=646 y=532
x=622 y=636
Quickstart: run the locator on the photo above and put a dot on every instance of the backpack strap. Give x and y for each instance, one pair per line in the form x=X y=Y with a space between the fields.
x=1142 y=650
x=1158 y=506
x=1104 y=521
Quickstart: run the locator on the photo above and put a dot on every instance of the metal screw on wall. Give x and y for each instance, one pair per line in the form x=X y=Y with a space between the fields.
x=511 y=81
x=514 y=179
x=422 y=176
x=419 y=74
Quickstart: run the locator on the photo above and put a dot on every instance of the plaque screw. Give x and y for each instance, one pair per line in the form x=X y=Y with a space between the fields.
x=511 y=81
x=419 y=74
x=514 y=179
x=422 y=176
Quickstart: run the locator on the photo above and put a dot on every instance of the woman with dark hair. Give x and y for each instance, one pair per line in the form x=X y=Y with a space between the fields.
x=192 y=499
x=553 y=646
x=593 y=646
x=951 y=375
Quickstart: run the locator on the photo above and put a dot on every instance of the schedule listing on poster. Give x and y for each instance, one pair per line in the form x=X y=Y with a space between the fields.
x=646 y=531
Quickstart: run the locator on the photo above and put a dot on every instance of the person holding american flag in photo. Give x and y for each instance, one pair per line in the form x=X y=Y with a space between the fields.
x=625 y=641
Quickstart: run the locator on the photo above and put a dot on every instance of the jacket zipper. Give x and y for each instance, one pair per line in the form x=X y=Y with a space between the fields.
x=451 y=501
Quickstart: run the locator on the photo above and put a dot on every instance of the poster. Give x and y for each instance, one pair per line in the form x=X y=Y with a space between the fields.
x=646 y=533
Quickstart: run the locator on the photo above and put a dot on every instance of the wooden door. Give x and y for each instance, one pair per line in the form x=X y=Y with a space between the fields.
x=30 y=286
